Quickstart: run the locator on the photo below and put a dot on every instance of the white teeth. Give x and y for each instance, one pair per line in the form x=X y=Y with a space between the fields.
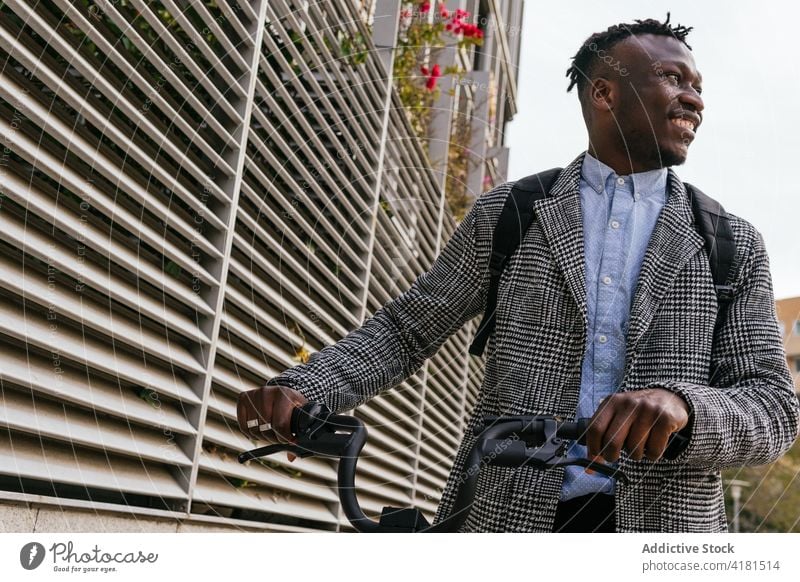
x=684 y=123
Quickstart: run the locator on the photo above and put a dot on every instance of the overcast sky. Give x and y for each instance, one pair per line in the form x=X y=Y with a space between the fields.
x=746 y=154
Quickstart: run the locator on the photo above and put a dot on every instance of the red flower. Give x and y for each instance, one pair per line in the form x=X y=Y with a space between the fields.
x=436 y=72
x=448 y=27
x=443 y=12
x=424 y=7
x=424 y=70
x=469 y=30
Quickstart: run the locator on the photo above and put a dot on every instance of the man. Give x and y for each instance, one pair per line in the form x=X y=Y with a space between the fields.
x=607 y=309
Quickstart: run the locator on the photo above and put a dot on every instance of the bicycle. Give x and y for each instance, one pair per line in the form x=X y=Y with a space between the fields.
x=539 y=441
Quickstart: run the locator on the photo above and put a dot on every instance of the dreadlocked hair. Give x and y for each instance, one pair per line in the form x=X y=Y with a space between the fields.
x=586 y=57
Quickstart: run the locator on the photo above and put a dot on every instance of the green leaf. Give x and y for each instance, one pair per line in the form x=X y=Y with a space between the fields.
x=240 y=483
x=149 y=396
x=172 y=268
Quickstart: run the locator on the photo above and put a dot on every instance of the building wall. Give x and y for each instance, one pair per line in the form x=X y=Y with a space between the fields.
x=789 y=317
x=194 y=200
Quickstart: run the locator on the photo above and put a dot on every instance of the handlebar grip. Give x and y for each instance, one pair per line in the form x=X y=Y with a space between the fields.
x=577 y=431
x=675 y=445
x=304 y=417
x=294 y=424
x=581 y=427
x=574 y=431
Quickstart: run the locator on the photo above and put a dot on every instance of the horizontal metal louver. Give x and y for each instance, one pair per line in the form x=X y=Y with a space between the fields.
x=110 y=246
x=197 y=196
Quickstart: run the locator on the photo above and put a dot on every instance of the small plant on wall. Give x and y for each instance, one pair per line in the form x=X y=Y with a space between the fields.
x=424 y=30
x=458 y=165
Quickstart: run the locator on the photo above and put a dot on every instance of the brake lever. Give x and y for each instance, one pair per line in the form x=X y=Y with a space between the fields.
x=556 y=448
x=298 y=451
x=548 y=452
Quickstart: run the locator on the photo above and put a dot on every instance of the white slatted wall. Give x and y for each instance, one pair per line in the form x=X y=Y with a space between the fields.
x=188 y=194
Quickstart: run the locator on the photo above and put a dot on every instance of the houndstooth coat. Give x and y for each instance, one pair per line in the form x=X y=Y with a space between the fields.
x=738 y=387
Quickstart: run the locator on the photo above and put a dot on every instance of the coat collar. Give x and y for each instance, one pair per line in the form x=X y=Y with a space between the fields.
x=673 y=242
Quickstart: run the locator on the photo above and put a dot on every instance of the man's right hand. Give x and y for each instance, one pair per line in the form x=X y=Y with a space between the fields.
x=267 y=412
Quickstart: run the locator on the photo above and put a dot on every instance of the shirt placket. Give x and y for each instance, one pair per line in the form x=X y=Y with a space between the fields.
x=608 y=336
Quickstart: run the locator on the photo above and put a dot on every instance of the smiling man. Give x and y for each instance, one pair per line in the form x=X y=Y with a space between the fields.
x=608 y=308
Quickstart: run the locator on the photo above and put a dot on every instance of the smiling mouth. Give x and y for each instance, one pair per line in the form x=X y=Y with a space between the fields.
x=683 y=123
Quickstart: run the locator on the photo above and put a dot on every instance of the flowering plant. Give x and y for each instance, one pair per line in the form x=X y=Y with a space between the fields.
x=421 y=35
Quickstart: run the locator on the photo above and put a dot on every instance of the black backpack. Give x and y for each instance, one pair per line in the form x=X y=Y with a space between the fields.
x=711 y=222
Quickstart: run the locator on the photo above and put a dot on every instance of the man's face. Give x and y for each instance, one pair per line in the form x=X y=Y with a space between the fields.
x=659 y=106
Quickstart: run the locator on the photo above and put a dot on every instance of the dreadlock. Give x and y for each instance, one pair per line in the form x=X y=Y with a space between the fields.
x=586 y=58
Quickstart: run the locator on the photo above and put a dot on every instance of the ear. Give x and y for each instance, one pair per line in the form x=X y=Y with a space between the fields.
x=603 y=94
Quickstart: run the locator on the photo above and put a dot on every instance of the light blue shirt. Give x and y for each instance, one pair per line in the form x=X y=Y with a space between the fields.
x=619 y=214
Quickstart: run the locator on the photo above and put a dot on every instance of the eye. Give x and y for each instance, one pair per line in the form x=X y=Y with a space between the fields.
x=698 y=90
x=675 y=76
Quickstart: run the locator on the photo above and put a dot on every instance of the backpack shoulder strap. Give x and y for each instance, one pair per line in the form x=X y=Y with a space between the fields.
x=515 y=218
x=714 y=225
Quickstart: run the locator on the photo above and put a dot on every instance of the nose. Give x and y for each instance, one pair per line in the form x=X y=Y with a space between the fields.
x=690 y=97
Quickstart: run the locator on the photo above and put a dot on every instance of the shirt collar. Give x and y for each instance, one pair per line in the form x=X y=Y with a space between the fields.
x=597 y=175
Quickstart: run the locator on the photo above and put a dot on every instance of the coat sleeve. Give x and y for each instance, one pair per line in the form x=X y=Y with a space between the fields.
x=394 y=342
x=749 y=415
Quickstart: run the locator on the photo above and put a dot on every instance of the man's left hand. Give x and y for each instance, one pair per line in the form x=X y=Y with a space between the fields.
x=639 y=422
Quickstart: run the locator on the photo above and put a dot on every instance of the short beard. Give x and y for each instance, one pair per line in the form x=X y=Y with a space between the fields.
x=670 y=158
x=646 y=151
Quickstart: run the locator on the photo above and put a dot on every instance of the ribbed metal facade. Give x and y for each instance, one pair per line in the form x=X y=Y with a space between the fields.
x=196 y=196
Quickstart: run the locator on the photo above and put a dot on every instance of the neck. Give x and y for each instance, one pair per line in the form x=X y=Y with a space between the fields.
x=621 y=162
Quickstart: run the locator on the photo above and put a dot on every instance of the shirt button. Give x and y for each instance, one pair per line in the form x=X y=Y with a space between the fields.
x=620 y=181
x=607 y=280
x=602 y=339
x=614 y=224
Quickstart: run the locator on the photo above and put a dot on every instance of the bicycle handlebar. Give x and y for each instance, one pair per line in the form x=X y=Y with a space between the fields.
x=507 y=441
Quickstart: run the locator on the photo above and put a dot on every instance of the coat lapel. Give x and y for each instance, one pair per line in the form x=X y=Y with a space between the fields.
x=560 y=218
x=673 y=242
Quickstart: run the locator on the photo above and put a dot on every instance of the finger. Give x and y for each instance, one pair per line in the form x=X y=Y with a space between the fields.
x=283 y=420
x=598 y=460
x=258 y=421
x=269 y=396
x=246 y=410
x=282 y=417
x=597 y=428
x=621 y=410
x=657 y=441
x=240 y=413
x=617 y=432
x=638 y=435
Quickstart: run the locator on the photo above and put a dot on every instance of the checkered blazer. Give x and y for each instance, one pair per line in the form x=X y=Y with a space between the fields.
x=738 y=387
